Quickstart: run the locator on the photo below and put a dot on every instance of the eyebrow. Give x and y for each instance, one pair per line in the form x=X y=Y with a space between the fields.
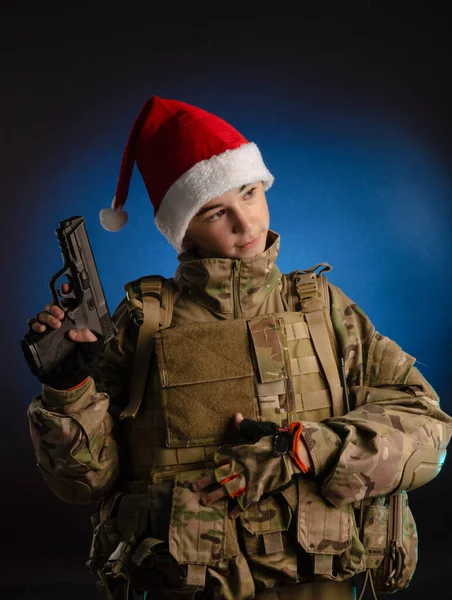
x=205 y=209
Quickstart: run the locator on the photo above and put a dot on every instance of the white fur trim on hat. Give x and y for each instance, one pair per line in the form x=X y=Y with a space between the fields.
x=206 y=180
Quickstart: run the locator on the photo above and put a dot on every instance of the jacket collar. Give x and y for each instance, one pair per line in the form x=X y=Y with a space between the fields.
x=213 y=282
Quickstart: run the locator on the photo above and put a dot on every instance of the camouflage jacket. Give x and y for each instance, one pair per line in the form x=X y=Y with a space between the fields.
x=395 y=423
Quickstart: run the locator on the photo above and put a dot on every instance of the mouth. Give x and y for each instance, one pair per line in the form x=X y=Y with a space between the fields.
x=250 y=244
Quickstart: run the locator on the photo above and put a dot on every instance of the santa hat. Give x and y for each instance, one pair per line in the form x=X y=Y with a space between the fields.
x=186 y=157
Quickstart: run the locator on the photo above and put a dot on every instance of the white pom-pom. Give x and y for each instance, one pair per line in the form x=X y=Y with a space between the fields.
x=112 y=219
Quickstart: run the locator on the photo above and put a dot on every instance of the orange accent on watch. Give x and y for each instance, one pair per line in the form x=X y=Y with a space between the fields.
x=77 y=386
x=295 y=429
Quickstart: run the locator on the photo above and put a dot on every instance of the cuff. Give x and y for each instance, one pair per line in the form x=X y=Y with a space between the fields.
x=53 y=399
x=322 y=443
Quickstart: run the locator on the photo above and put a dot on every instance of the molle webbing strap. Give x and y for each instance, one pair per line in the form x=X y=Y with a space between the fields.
x=313 y=294
x=323 y=346
x=148 y=295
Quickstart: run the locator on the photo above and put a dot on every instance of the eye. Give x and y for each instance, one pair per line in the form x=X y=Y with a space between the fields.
x=216 y=216
x=250 y=193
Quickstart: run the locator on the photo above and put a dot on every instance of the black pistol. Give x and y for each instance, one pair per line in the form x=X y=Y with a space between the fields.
x=84 y=305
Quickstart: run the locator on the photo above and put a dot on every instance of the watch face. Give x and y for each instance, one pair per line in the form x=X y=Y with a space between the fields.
x=282 y=442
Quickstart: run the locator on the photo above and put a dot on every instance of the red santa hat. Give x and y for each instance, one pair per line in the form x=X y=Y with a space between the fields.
x=186 y=157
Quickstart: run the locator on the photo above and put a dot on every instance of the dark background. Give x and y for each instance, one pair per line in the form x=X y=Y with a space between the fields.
x=350 y=107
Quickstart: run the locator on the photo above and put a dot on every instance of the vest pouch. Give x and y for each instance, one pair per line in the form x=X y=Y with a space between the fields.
x=265 y=531
x=400 y=557
x=375 y=530
x=203 y=541
x=127 y=528
x=328 y=534
x=105 y=532
x=206 y=376
x=160 y=495
x=133 y=517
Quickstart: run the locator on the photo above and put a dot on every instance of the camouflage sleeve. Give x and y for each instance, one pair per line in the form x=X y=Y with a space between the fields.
x=396 y=434
x=73 y=431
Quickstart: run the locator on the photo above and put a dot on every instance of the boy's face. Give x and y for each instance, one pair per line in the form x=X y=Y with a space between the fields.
x=234 y=225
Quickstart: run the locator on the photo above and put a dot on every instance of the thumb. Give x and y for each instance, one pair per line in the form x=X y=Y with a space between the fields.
x=238 y=420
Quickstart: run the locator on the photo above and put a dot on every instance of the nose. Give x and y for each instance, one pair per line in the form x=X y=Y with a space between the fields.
x=242 y=221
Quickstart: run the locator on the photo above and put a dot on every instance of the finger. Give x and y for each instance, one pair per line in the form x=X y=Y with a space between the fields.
x=213 y=496
x=65 y=288
x=54 y=310
x=48 y=319
x=238 y=420
x=38 y=327
x=82 y=335
x=203 y=482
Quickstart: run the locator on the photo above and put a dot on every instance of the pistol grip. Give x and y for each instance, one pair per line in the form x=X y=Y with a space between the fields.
x=43 y=351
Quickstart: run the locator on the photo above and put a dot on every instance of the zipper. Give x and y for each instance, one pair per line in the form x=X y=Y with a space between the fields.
x=396 y=556
x=235 y=287
x=399 y=502
x=398 y=508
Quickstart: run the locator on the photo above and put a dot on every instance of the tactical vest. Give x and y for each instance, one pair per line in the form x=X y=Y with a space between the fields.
x=279 y=367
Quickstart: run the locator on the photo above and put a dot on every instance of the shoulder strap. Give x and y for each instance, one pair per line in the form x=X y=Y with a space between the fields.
x=151 y=301
x=312 y=290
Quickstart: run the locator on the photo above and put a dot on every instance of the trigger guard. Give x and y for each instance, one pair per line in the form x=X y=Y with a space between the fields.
x=66 y=296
